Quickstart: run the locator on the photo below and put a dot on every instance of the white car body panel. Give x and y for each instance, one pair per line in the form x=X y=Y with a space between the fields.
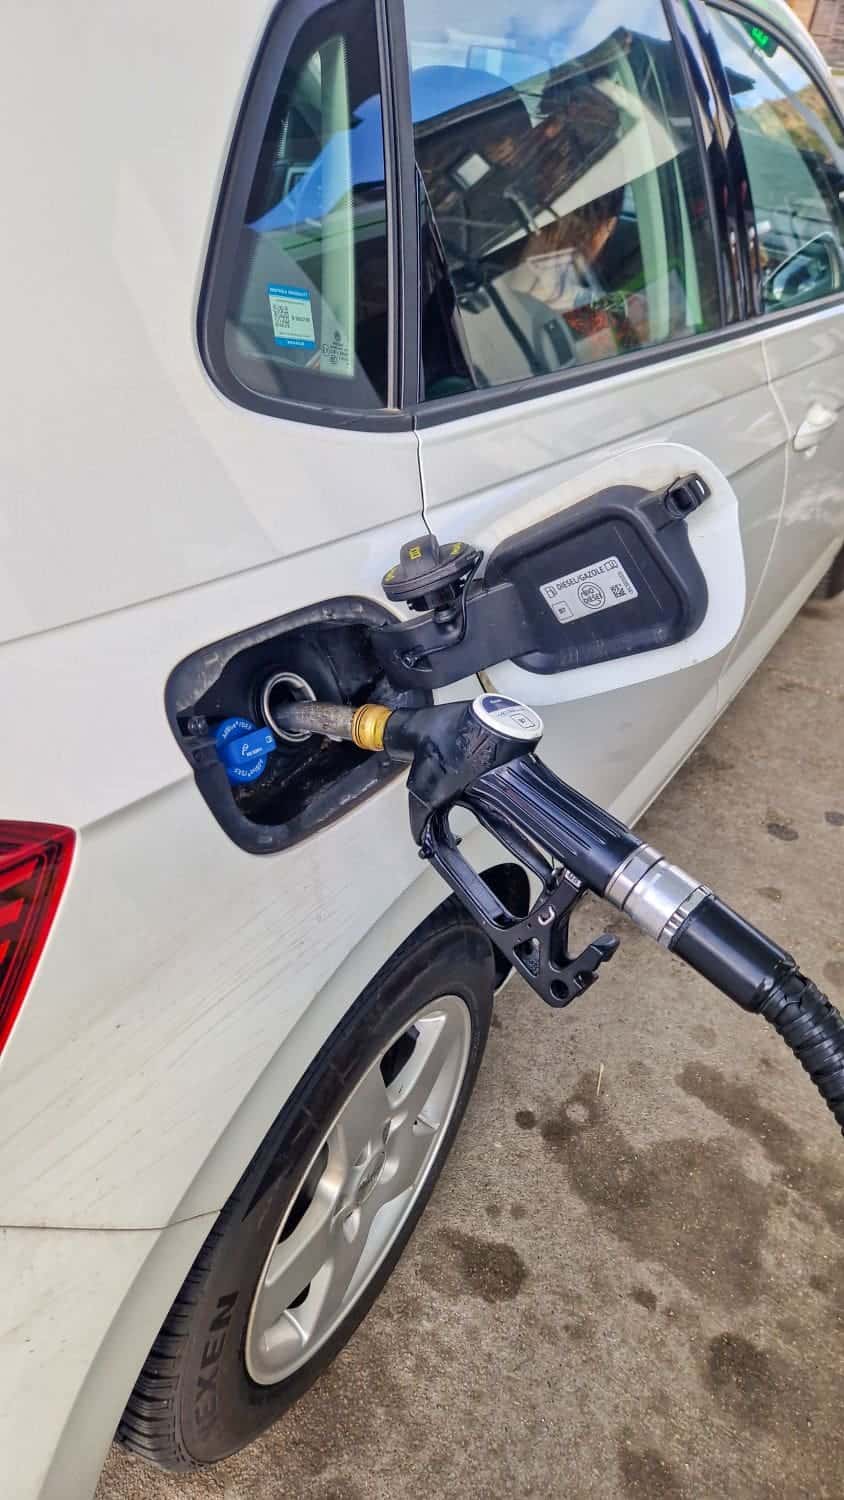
x=77 y=1308
x=117 y=446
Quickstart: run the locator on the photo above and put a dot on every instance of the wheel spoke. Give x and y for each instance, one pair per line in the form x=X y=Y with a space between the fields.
x=297 y=1260
x=410 y=1093
x=420 y=1105
x=362 y=1118
x=347 y=1248
x=410 y=1147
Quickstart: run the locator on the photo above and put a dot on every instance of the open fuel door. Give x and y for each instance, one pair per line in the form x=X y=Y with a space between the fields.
x=606 y=582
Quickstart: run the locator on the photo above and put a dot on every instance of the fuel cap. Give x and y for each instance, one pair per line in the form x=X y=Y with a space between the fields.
x=243 y=748
x=426 y=572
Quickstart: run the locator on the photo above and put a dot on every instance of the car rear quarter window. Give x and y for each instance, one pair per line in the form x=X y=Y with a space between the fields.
x=563 y=207
x=299 y=297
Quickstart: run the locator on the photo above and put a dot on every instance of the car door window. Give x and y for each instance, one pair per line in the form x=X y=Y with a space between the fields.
x=794 y=149
x=563 y=205
x=307 y=298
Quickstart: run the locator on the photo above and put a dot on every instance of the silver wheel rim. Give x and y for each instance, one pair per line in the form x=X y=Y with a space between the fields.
x=358 y=1190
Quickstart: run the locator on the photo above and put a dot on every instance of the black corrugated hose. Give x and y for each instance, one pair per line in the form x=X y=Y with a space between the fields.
x=814 y=1030
x=761 y=977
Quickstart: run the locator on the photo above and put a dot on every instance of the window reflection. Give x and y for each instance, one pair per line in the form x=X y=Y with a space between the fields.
x=561 y=174
x=794 y=151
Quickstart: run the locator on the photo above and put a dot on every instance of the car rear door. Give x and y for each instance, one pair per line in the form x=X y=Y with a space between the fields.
x=581 y=327
x=793 y=149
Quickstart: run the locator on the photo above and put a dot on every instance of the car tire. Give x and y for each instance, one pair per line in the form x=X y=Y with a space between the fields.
x=223 y=1369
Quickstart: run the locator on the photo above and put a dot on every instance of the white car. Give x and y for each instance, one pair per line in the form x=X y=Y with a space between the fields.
x=284 y=285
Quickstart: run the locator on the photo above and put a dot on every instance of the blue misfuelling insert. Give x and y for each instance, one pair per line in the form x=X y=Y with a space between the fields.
x=243 y=749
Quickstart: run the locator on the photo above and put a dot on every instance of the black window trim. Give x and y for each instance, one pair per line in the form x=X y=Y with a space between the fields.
x=395 y=65
x=730 y=159
x=704 y=111
x=281 y=31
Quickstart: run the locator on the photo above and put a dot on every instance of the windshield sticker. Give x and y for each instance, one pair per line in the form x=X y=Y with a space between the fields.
x=293 y=320
x=600 y=586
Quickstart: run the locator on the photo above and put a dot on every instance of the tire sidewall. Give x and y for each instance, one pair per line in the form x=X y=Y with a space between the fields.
x=220 y=1407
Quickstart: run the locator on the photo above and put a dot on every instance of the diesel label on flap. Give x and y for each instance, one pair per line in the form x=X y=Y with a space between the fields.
x=599 y=586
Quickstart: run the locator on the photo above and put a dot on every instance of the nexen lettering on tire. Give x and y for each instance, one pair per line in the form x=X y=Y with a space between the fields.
x=205 y=1407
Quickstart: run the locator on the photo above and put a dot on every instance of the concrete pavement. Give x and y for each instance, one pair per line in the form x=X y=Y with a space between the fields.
x=638 y=1290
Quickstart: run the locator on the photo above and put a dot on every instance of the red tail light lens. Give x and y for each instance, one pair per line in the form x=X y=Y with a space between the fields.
x=34 y=863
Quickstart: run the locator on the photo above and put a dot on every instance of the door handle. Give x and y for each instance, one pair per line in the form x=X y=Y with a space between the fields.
x=818 y=421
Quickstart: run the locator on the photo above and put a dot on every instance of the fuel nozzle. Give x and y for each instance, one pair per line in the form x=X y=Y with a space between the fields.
x=479 y=755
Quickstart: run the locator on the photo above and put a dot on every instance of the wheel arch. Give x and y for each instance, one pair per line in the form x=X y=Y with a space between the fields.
x=231 y=1152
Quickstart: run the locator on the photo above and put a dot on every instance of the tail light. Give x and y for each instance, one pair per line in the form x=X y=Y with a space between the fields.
x=34 y=862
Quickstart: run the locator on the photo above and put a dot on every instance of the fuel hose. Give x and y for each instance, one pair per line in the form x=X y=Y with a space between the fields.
x=761 y=977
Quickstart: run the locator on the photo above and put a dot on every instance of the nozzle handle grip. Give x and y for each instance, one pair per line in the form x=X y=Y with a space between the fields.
x=590 y=842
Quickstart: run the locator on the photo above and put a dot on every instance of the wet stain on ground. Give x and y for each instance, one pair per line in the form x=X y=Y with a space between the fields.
x=580 y=1329
x=835 y=818
x=705 y=1036
x=683 y=1203
x=746 y=1379
x=493 y=1210
x=638 y=1070
x=830 y=1284
x=525 y=1119
x=541 y=1328
x=770 y=892
x=704 y=760
x=518 y=1211
x=488 y=1269
x=645 y=1473
x=782 y=831
x=645 y=1297
x=820 y=1181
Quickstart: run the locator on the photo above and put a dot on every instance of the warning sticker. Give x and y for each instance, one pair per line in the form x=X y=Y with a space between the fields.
x=293 y=322
x=598 y=586
x=335 y=352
